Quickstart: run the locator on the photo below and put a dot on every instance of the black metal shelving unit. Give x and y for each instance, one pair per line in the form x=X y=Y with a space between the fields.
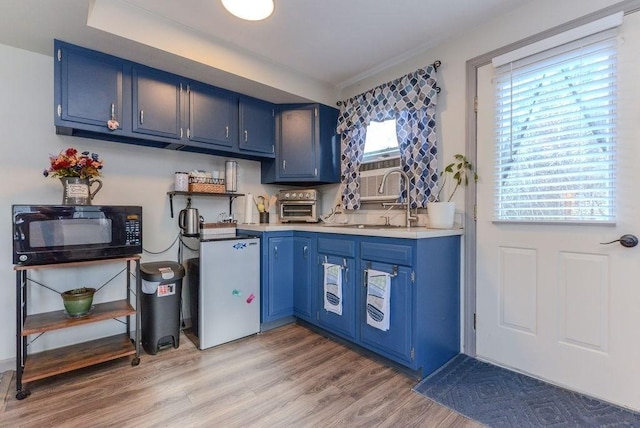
x=53 y=362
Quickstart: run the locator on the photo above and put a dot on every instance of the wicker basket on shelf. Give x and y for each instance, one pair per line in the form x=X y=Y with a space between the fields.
x=205 y=185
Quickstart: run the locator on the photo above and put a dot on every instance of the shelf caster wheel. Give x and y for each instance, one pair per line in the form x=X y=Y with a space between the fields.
x=135 y=361
x=21 y=395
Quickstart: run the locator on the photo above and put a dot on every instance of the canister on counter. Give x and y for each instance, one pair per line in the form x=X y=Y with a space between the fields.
x=181 y=182
x=231 y=176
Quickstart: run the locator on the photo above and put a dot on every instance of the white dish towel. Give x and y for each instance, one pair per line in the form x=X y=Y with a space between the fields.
x=333 y=288
x=378 y=299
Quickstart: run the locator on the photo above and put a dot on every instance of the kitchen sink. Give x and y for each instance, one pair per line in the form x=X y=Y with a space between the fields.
x=367 y=226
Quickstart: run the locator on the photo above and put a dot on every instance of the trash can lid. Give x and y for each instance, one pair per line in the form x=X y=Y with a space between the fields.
x=163 y=272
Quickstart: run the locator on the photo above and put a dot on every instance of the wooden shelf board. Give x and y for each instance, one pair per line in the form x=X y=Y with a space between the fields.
x=178 y=192
x=47 y=321
x=62 y=360
x=77 y=264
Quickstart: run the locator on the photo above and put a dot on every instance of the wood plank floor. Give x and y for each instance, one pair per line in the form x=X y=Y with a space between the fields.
x=288 y=377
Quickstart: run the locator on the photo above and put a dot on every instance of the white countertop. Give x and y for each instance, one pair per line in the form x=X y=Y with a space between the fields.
x=382 y=231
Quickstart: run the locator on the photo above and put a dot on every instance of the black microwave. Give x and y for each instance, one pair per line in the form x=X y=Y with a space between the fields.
x=46 y=234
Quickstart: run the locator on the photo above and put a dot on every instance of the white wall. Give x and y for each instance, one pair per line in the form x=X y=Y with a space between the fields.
x=133 y=175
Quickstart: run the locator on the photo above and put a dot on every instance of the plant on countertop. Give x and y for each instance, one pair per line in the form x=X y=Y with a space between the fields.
x=459 y=170
x=70 y=163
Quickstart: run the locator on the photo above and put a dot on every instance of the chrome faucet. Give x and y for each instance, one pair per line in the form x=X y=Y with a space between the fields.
x=405 y=177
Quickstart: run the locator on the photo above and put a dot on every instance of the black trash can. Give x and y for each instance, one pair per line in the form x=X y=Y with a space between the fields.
x=193 y=277
x=160 y=303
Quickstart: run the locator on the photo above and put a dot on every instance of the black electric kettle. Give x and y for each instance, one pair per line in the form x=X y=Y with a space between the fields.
x=189 y=222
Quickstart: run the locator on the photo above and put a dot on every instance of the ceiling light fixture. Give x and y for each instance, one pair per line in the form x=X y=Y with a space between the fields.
x=251 y=10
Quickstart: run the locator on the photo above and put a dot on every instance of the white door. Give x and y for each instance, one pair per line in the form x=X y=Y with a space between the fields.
x=552 y=301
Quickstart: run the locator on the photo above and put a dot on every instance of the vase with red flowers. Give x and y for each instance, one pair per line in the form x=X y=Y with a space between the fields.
x=77 y=173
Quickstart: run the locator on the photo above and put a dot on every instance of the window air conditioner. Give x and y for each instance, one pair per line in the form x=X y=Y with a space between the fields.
x=371 y=177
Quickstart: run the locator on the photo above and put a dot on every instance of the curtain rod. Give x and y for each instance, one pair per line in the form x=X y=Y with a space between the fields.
x=436 y=64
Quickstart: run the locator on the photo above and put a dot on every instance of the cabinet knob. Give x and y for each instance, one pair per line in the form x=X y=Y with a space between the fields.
x=141 y=117
x=226 y=131
x=246 y=135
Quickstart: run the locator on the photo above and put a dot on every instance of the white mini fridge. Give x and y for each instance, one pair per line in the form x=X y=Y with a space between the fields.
x=229 y=295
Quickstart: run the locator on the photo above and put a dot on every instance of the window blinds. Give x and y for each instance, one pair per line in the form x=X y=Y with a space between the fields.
x=555 y=134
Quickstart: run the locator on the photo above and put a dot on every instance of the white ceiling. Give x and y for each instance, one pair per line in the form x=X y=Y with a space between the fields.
x=308 y=49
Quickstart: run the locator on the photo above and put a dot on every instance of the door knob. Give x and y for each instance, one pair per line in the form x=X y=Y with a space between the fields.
x=627 y=241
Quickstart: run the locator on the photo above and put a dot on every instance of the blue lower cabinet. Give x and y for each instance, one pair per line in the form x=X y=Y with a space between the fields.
x=277 y=276
x=409 y=312
x=424 y=300
x=304 y=276
x=337 y=295
x=387 y=328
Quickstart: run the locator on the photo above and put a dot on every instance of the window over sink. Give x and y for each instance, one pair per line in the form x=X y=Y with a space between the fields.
x=381 y=142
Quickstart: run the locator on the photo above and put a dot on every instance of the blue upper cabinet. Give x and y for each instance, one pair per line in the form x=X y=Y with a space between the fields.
x=297 y=151
x=159 y=109
x=256 y=119
x=306 y=146
x=88 y=89
x=156 y=103
x=213 y=116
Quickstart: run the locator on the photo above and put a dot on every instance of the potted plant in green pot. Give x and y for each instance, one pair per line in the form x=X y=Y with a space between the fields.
x=77 y=302
x=441 y=212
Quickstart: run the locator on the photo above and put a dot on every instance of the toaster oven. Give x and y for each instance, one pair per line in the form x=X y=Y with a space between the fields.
x=298 y=205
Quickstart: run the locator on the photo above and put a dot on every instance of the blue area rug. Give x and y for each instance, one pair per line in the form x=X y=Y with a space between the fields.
x=498 y=397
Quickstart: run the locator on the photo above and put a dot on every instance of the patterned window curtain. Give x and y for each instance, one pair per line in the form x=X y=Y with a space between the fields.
x=411 y=100
x=352 y=154
x=416 y=130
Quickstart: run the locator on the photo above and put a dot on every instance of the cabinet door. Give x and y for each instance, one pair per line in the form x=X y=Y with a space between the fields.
x=256 y=126
x=297 y=151
x=307 y=147
x=156 y=104
x=304 y=259
x=278 y=296
x=394 y=343
x=341 y=324
x=89 y=86
x=211 y=116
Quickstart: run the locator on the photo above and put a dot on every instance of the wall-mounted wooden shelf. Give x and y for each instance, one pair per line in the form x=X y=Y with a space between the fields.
x=189 y=195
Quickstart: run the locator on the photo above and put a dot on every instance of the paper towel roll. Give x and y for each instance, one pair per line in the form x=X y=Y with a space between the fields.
x=248 y=208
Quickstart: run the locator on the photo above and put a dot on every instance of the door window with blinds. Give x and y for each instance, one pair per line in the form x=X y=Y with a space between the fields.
x=556 y=133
